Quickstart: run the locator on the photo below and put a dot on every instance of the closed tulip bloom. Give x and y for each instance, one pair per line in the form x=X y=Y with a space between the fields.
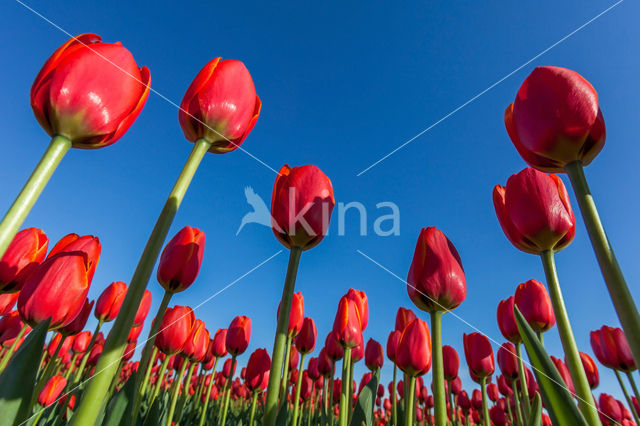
x=226 y=368
x=533 y=302
x=590 y=369
x=498 y=416
x=7 y=302
x=196 y=346
x=294 y=358
x=373 y=355
x=301 y=206
x=610 y=346
x=403 y=317
x=534 y=211
x=89 y=92
x=451 y=362
x=436 y=280
x=238 y=335
x=296 y=316
x=507 y=320
x=332 y=347
x=324 y=363
x=392 y=344
x=78 y=323
x=306 y=340
x=312 y=367
x=180 y=260
x=129 y=350
x=555 y=119
x=346 y=326
x=143 y=308
x=219 y=343
x=110 y=301
x=564 y=373
x=81 y=342
x=86 y=243
x=10 y=326
x=95 y=353
x=359 y=297
x=504 y=386
x=257 y=374
x=492 y=392
x=220 y=106
x=479 y=355
x=413 y=354
x=27 y=249
x=51 y=390
x=58 y=289
x=175 y=328
x=508 y=360
x=357 y=353
x=609 y=409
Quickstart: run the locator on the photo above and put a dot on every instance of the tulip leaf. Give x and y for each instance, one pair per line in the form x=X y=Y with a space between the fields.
x=18 y=380
x=363 y=411
x=535 y=416
x=557 y=399
x=117 y=407
x=283 y=415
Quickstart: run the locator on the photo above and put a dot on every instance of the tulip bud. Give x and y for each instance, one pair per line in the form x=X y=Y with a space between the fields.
x=7 y=302
x=78 y=323
x=226 y=368
x=357 y=353
x=508 y=360
x=312 y=367
x=296 y=316
x=220 y=106
x=479 y=355
x=590 y=369
x=346 y=326
x=306 y=340
x=181 y=259
x=507 y=320
x=492 y=392
x=294 y=358
x=219 y=343
x=143 y=309
x=27 y=249
x=196 y=345
x=404 y=317
x=611 y=347
x=373 y=355
x=333 y=348
x=504 y=386
x=533 y=302
x=555 y=119
x=325 y=364
x=257 y=373
x=51 y=390
x=436 y=280
x=175 y=328
x=360 y=299
x=10 y=326
x=451 y=362
x=392 y=344
x=89 y=92
x=134 y=333
x=609 y=409
x=564 y=373
x=81 y=342
x=110 y=301
x=413 y=354
x=238 y=335
x=301 y=206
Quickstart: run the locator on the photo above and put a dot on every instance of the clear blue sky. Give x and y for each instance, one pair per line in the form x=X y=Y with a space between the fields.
x=342 y=84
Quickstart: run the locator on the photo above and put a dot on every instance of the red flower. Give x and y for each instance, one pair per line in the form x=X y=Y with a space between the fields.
x=611 y=348
x=27 y=249
x=436 y=280
x=301 y=206
x=403 y=317
x=373 y=355
x=357 y=353
x=392 y=344
x=7 y=302
x=175 y=328
x=346 y=326
x=51 y=390
x=226 y=368
x=257 y=374
x=359 y=297
x=238 y=335
x=333 y=348
x=78 y=323
x=296 y=316
x=508 y=360
x=90 y=92
x=219 y=343
x=609 y=409
x=507 y=320
x=590 y=369
x=143 y=309
x=451 y=362
x=306 y=340
x=413 y=354
x=555 y=119
x=181 y=259
x=533 y=302
x=479 y=355
x=196 y=346
x=564 y=373
x=534 y=211
x=325 y=364
x=10 y=326
x=110 y=301
x=81 y=342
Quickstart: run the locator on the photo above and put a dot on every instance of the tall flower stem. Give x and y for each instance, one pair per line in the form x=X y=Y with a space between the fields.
x=394 y=402
x=626 y=397
x=296 y=401
x=439 y=397
x=147 y=372
x=345 y=398
x=523 y=382
x=574 y=363
x=89 y=408
x=31 y=190
x=613 y=277
x=271 y=403
x=156 y=389
x=330 y=415
x=228 y=393
x=634 y=387
x=254 y=401
x=409 y=405
x=516 y=399
x=85 y=357
x=203 y=416
x=452 y=407
x=284 y=383
x=485 y=406
x=9 y=353
x=175 y=391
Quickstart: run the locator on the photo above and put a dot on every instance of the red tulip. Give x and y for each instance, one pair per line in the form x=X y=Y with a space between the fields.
x=413 y=354
x=90 y=92
x=436 y=280
x=508 y=360
x=346 y=326
x=357 y=353
x=403 y=317
x=78 y=323
x=294 y=358
x=373 y=355
x=110 y=301
x=555 y=119
x=10 y=326
x=51 y=390
x=463 y=401
x=81 y=342
x=257 y=373
x=312 y=367
x=238 y=335
x=19 y=262
x=196 y=345
x=220 y=106
x=451 y=362
x=564 y=373
x=504 y=384
x=7 y=302
x=498 y=416
x=219 y=343
x=590 y=369
x=175 y=328
x=306 y=340
x=143 y=309
x=333 y=348
x=53 y=344
x=359 y=297
x=301 y=206
x=296 y=316
x=95 y=353
x=535 y=212
x=456 y=386
x=325 y=365
x=609 y=409
x=492 y=392
x=87 y=244
x=226 y=368
x=392 y=344
x=533 y=302
x=181 y=259
x=58 y=289
x=612 y=349
x=479 y=355
x=507 y=320
x=129 y=350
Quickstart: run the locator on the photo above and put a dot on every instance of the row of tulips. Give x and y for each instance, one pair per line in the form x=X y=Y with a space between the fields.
x=89 y=93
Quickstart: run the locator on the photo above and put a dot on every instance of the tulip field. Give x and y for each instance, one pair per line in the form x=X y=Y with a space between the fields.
x=56 y=370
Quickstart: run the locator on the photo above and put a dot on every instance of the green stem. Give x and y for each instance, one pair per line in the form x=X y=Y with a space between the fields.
x=574 y=363
x=296 y=401
x=485 y=406
x=147 y=373
x=284 y=383
x=452 y=409
x=634 y=387
x=409 y=405
x=38 y=416
x=509 y=412
x=516 y=398
x=439 y=397
x=613 y=277
x=330 y=415
x=350 y=391
x=177 y=381
x=85 y=357
x=325 y=396
x=394 y=400
x=48 y=371
x=71 y=364
x=541 y=337
x=271 y=403
x=208 y=394
x=31 y=190
x=523 y=382
x=9 y=353
x=228 y=393
x=254 y=401
x=344 y=397
x=159 y=380
x=626 y=396
x=89 y=409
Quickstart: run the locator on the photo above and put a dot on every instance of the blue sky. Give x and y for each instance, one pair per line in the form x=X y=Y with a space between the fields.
x=342 y=84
